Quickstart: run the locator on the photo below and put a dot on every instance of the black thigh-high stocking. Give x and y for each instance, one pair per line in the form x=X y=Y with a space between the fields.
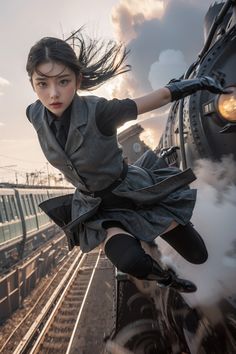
x=127 y=254
x=187 y=242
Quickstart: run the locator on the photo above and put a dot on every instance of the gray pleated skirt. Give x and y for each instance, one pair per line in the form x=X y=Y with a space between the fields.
x=145 y=203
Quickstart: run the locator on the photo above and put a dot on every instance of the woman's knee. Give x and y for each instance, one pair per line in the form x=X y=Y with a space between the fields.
x=113 y=231
x=127 y=254
x=172 y=226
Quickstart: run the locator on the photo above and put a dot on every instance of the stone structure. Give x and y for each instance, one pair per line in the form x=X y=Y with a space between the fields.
x=132 y=146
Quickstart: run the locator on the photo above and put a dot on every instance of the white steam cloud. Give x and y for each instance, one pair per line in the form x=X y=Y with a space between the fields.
x=214 y=218
x=171 y=64
x=220 y=176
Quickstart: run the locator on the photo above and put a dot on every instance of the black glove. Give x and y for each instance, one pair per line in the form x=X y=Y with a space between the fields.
x=182 y=88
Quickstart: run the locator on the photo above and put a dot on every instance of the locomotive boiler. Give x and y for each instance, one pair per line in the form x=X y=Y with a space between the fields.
x=203 y=125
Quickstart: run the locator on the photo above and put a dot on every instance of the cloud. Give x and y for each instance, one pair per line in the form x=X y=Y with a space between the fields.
x=129 y=14
x=3 y=83
x=151 y=30
x=161 y=46
x=170 y=64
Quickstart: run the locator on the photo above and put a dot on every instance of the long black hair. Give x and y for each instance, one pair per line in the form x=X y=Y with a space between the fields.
x=97 y=60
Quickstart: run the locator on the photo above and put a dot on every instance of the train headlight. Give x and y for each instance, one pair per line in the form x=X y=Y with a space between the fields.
x=226 y=105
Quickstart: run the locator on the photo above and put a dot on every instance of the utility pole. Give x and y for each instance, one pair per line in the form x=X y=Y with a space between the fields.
x=27 y=178
x=48 y=174
x=16 y=177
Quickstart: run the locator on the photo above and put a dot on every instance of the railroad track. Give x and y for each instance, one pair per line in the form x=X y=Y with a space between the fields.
x=19 y=331
x=8 y=343
x=53 y=328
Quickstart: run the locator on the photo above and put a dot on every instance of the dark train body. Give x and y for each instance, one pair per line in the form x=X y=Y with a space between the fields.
x=23 y=225
x=202 y=126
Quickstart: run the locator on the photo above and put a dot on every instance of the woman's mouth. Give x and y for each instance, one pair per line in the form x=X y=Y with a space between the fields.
x=56 y=105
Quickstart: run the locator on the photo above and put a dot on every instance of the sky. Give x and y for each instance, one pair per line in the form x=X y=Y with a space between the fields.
x=164 y=38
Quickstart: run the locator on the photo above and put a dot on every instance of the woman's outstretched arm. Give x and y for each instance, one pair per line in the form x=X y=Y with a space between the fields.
x=153 y=100
x=175 y=90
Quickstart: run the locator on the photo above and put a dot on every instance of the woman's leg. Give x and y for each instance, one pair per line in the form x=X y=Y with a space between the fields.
x=172 y=226
x=187 y=242
x=127 y=254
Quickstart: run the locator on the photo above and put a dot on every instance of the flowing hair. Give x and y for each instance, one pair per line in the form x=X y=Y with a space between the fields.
x=96 y=60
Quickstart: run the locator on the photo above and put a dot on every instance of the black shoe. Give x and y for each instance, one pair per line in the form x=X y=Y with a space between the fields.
x=168 y=279
x=182 y=285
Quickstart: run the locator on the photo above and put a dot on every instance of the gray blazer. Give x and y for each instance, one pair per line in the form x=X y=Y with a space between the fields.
x=91 y=162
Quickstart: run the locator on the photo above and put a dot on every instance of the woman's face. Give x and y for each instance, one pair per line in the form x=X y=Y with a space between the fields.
x=55 y=85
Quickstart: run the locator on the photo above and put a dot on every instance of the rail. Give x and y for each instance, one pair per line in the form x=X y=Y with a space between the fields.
x=52 y=329
x=18 y=332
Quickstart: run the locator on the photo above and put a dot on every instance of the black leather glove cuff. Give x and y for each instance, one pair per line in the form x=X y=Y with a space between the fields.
x=182 y=88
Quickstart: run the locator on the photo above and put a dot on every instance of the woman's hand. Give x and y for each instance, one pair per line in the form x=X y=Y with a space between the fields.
x=175 y=90
x=182 y=88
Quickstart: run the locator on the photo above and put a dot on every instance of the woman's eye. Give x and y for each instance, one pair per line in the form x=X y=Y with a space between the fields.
x=42 y=84
x=64 y=82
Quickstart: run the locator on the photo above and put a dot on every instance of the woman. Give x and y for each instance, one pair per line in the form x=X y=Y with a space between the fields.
x=114 y=203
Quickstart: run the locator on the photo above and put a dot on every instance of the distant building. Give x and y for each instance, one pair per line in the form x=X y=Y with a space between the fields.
x=132 y=146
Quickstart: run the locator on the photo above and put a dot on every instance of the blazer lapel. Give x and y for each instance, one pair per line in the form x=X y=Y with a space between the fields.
x=78 y=123
x=50 y=145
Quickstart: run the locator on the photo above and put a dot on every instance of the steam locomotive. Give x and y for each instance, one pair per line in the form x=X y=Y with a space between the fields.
x=200 y=128
x=204 y=125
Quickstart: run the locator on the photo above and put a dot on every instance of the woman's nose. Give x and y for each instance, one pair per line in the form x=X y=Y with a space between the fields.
x=54 y=92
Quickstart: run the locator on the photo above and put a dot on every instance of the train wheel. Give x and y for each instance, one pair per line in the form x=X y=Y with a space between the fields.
x=142 y=336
